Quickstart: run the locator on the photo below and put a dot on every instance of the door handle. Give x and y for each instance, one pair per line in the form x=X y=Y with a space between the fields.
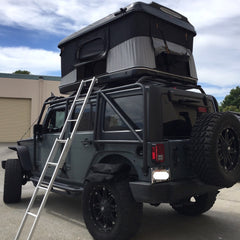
x=86 y=142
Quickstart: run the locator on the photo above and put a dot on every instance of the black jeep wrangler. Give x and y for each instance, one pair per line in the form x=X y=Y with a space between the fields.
x=149 y=133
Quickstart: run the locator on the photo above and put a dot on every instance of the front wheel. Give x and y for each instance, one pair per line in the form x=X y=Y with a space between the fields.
x=195 y=205
x=110 y=212
x=12 y=181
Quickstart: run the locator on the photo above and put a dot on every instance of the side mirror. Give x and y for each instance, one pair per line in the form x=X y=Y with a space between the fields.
x=37 y=130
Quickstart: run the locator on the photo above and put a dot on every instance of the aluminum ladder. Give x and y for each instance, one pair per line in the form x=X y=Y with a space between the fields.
x=60 y=141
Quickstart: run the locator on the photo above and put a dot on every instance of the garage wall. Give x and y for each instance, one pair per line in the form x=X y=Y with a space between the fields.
x=15 y=118
x=24 y=95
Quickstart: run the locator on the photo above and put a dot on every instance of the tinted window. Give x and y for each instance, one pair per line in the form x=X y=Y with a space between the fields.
x=112 y=121
x=178 y=119
x=132 y=106
x=55 y=120
x=87 y=121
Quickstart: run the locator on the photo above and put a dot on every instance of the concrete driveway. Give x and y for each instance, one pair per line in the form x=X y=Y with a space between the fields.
x=62 y=217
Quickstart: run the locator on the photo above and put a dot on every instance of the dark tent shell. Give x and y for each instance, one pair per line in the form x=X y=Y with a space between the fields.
x=141 y=35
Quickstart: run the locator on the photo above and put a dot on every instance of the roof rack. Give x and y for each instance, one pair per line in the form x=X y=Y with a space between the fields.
x=132 y=75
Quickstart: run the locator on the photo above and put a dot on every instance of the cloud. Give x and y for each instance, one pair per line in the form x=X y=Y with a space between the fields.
x=218 y=77
x=205 y=12
x=37 y=61
x=218 y=92
x=217 y=59
x=55 y=16
x=70 y=15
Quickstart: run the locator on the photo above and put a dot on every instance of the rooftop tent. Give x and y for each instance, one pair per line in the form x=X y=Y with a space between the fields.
x=142 y=36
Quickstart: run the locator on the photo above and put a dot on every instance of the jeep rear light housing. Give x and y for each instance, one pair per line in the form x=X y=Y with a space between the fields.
x=202 y=109
x=158 y=153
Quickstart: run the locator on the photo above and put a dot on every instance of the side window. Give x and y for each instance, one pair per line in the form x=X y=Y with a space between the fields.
x=132 y=106
x=112 y=121
x=87 y=121
x=55 y=120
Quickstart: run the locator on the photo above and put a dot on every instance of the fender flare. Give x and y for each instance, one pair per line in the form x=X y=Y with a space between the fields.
x=23 y=156
x=100 y=172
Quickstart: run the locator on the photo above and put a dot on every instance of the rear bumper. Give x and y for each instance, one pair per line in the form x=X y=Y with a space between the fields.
x=168 y=192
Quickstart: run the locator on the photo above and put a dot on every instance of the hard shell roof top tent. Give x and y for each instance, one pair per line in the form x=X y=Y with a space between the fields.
x=139 y=39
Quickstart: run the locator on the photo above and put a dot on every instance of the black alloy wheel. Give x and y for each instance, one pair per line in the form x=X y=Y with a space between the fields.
x=103 y=207
x=228 y=149
x=110 y=211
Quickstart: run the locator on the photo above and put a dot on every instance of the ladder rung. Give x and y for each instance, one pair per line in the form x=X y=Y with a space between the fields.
x=52 y=163
x=72 y=120
x=43 y=188
x=61 y=140
x=32 y=214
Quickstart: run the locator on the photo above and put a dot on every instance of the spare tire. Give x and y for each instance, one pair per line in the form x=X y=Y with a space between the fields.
x=215 y=149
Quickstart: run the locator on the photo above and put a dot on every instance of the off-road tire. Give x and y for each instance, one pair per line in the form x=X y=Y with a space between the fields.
x=110 y=212
x=215 y=149
x=201 y=204
x=12 y=181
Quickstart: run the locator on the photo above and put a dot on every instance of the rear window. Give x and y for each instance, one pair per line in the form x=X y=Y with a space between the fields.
x=181 y=112
x=132 y=106
x=178 y=118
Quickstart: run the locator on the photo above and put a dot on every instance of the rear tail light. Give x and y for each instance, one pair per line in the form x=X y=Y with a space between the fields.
x=158 y=153
x=202 y=109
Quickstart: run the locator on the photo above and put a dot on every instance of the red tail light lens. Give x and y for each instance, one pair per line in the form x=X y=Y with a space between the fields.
x=202 y=109
x=158 y=153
